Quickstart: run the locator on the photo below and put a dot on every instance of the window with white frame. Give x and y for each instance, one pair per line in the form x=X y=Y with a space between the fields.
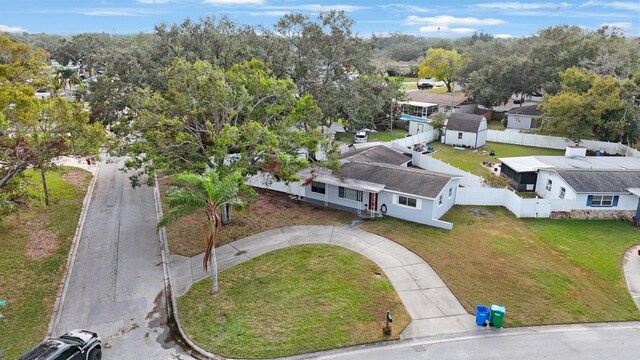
x=349 y=194
x=450 y=192
x=562 y=192
x=549 y=183
x=440 y=200
x=459 y=135
x=318 y=187
x=602 y=201
x=407 y=201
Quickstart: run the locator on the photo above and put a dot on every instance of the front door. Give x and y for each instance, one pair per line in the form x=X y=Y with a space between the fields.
x=373 y=202
x=420 y=130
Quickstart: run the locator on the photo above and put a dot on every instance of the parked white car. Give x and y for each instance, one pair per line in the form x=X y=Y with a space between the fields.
x=361 y=137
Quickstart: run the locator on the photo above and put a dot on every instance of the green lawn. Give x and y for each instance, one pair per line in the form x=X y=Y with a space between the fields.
x=34 y=244
x=544 y=271
x=297 y=300
x=388 y=135
x=471 y=160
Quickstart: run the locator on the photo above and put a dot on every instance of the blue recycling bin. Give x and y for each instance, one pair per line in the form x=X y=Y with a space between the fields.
x=482 y=315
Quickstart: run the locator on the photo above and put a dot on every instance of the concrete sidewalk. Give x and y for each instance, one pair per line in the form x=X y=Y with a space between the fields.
x=433 y=308
x=631 y=268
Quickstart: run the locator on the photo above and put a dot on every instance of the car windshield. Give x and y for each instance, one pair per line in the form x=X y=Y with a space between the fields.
x=71 y=340
x=44 y=350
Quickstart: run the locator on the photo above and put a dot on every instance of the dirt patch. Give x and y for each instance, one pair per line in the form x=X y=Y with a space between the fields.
x=74 y=177
x=481 y=213
x=42 y=243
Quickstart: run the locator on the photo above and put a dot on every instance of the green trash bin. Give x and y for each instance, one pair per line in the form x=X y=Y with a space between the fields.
x=497 y=315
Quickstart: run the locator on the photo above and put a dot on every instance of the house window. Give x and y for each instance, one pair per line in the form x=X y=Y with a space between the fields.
x=549 y=183
x=602 y=201
x=562 y=192
x=318 y=187
x=407 y=201
x=450 y=192
x=459 y=135
x=349 y=194
x=440 y=200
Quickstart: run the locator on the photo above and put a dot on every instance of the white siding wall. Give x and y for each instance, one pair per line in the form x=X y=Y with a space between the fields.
x=468 y=139
x=422 y=214
x=416 y=127
x=519 y=121
x=625 y=202
x=447 y=201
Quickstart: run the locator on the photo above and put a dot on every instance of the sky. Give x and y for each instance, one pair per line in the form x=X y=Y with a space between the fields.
x=447 y=19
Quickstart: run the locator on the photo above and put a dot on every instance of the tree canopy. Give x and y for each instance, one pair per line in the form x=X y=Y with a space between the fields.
x=443 y=65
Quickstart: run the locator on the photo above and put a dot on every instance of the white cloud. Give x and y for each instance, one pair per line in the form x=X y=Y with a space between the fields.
x=233 y=2
x=268 y=13
x=404 y=8
x=619 y=5
x=12 y=29
x=317 y=7
x=503 y=36
x=522 y=6
x=446 y=20
x=621 y=25
x=446 y=30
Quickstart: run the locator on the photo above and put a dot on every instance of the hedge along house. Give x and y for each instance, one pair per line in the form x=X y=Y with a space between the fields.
x=524 y=117
x=375 y=188
x=592 y=194
x=465 y=130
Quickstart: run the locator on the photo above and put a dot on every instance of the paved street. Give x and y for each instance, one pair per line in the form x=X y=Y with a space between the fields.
x=619 y=341
x=116 y=285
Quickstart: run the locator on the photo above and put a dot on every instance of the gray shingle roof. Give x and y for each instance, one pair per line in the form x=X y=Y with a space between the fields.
x=526 y=110
x=376 y=154
x=464 y=122
x=407 y=180
x=589 y=181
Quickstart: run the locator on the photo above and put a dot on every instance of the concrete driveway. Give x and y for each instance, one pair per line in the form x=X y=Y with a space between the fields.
x=116 y=283
x=432 y=306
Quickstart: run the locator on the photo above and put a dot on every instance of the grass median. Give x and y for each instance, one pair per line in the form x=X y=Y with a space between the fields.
x=297 y=300
x=34 y=244
x=544 y=271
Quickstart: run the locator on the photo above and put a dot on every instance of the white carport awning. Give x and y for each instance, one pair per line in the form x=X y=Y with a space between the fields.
x=634 y=191
x=326 y=177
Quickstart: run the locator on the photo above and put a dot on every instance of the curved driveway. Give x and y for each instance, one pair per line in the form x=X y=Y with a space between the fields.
x=428 y=300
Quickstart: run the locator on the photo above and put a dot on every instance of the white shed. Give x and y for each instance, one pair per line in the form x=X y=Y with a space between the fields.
x=466 y=130
x=524 y=117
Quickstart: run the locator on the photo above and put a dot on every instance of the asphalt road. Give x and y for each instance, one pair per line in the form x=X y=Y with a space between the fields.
x=618 y=343
x=116 y=284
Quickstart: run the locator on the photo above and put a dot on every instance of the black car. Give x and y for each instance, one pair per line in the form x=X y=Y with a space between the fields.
x=75 y=345
x=424 y=86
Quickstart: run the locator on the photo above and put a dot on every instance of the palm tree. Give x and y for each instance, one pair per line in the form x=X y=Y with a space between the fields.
x=206 y=192
x=65 y=77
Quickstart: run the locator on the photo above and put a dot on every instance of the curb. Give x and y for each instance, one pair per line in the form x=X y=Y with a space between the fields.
x=71 y=258
x=173 y=321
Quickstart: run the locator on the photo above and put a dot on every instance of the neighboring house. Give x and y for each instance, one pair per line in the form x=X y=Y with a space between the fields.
x=524 y=117
x=377 y=154
x=447 y=103
x=592 y=193
x=383 y=189
x=579 y=186
x=465 y=130
x=417 y=114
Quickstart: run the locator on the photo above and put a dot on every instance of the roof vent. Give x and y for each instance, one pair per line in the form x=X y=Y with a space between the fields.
x=572 y=151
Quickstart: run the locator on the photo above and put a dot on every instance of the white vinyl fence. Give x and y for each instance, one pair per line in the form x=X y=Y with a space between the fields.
x=264 y=181
x=429 y=163
x=555 y=142
x=522 y=208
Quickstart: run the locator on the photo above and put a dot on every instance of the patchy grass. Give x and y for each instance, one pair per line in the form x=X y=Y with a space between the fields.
x=437 y=90
x=388 y=135
x=31 y=267
x=471 y=159
x=544 y=271
x=297 y=300
x=271 y=210
x=495 y=125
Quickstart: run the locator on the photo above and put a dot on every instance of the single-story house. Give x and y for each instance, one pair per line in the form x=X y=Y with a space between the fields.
x=364 y=145
x=523 y=171
x=447 y=103
x=417 y=114
x=383 y=189
x=524 y=117
x=465 y=130
x=377 y=154
x=592 y=193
